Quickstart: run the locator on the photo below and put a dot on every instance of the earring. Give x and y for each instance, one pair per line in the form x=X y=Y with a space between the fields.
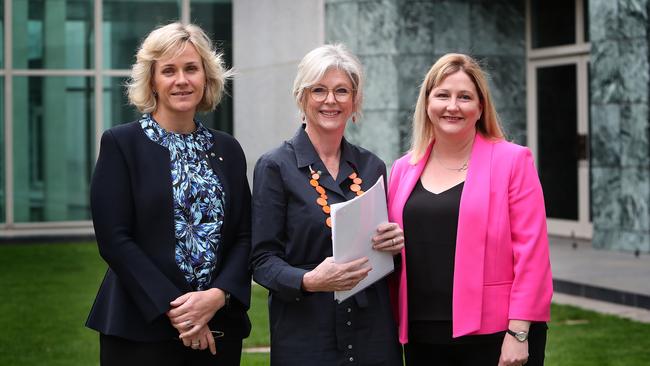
x=354 y=118
x=155 y=93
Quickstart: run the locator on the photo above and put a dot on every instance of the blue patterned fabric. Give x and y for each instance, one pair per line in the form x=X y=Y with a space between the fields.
x=199 y=200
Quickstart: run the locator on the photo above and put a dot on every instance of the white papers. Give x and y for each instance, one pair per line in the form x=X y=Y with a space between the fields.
x=354 y=223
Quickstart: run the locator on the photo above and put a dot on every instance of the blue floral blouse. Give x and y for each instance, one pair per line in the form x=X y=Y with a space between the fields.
x=199 y=200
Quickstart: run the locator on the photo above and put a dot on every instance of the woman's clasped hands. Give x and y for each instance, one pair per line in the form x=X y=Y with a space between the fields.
x=190 y=314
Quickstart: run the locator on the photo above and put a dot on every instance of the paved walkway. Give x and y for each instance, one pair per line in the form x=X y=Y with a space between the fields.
x=601 y=280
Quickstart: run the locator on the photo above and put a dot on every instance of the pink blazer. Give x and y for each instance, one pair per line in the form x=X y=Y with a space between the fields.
x=502 y=267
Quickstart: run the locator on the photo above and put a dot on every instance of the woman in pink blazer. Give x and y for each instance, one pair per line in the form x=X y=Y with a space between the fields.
x=475 y=283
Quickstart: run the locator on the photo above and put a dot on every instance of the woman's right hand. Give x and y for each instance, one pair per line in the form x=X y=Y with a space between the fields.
x=329 y=276
x=204 y=339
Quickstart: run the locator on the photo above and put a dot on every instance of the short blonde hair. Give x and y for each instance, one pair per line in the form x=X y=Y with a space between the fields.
x=488 y=124
x=171 y=39
x=317 y=62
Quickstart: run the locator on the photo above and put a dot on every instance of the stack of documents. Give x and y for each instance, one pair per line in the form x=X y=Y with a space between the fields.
x=354 y=224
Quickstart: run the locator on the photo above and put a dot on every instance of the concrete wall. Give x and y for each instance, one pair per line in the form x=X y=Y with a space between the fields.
x=269 y=40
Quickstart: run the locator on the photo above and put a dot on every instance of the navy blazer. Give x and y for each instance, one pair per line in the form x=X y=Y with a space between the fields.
x=132 y=208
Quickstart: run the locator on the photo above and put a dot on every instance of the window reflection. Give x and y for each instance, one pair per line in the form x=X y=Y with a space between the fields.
x=215 y=17
x=126 y=23
x=55 y=34
x=557 y=114
x=2 y=35
x=553 y=23
x=53 y=152
x=117 y=109
x=3 y=198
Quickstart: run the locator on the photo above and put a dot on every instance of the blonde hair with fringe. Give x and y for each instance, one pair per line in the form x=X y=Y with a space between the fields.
x=488 y=124
x=317 y=62
x=171 y=40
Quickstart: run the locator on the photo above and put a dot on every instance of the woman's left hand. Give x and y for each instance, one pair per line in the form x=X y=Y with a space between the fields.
x=193 y=310
x=513 y=352
x=389 y=238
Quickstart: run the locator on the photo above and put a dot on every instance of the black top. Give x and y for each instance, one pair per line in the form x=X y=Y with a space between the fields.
x=430 y=227
x=290 y=238
x=430 y=224
x=132 y=207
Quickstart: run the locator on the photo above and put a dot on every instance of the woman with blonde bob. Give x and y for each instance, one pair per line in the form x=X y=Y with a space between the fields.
x=171 y=211
x=475 y=284
x=293 y=186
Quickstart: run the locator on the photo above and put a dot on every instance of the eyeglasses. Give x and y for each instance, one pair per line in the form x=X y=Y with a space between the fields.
x=320 y=93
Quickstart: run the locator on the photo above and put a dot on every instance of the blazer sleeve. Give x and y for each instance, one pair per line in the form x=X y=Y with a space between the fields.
x=532 y=288
x=112 y=207
x=234 y=276
x=269 y=217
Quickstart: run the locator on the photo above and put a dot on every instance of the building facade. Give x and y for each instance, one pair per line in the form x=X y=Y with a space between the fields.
x=570 y=80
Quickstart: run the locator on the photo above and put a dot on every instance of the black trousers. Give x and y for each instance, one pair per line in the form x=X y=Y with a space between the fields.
x=474 y=354
x=116 y=351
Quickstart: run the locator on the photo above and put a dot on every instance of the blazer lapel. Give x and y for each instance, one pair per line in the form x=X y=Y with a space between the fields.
x=408 y=181
x=471 y=240
x=215 y=157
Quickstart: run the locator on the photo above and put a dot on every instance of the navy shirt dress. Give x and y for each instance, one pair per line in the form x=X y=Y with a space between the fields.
x=290 y=238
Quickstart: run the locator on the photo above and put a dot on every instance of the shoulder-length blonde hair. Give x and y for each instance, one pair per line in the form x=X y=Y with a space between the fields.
x=315 y=64
x=171 y=40
x=488 y=124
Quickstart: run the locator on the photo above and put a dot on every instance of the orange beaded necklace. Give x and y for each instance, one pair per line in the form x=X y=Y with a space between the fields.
x=322 y=196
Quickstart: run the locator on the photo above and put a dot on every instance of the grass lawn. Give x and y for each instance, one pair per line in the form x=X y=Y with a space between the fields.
x=47 y=291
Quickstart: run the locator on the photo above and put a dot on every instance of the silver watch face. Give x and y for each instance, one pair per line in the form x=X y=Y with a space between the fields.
x=521 y=336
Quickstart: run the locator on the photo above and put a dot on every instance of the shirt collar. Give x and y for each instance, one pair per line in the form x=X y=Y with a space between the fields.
x=161 y=136
x=306 y=153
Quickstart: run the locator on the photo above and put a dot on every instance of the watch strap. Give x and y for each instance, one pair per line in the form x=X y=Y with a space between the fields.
x=519 y=336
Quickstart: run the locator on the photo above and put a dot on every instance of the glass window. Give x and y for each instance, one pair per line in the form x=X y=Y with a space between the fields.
x=53 y=34
x=557 y=113
x=126 y=23
x=2 y=33
x=215 y=17
x=553 y=23
x=585 y=19
x=3 y=197
x=53 y=148
x=117 y=109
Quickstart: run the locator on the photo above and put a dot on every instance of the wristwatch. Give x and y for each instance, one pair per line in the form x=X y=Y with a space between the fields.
x=520 y=336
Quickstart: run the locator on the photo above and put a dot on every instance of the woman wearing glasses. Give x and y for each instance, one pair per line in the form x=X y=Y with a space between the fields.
x=293 y=187
x=171 y=210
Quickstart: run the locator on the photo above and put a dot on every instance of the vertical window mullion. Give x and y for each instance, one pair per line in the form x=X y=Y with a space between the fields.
x=8 y=117
x=185 y=11
x=99 y=64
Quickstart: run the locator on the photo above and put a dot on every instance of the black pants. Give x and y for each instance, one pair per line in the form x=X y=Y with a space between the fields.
x=116 y=351
x=473 y=354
